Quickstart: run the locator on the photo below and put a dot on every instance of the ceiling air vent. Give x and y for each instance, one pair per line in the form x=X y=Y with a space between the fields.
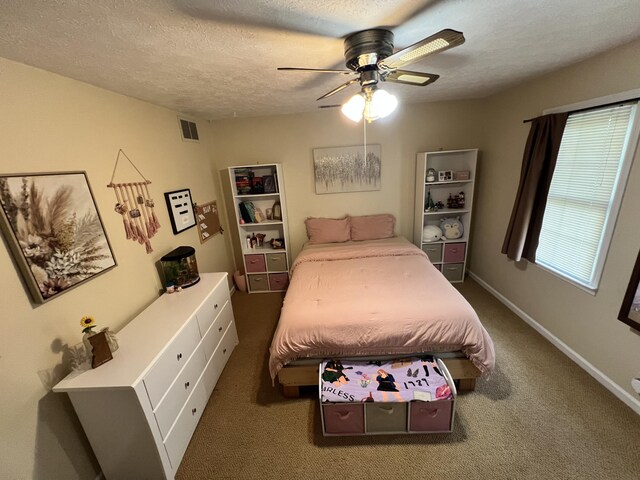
x=189 y=130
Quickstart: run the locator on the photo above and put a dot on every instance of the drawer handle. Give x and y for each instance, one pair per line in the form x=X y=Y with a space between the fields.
x=253 y=261
x=215 y=306
x=194 y=410
x=388 y=411
x=343 y=415
x=179 y=356
x=454 y=250
x=258 y=279
x=430 y=412
x=219 y=329
x=186 y=385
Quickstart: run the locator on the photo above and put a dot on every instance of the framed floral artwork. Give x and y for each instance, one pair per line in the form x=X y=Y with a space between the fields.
x=630 y=310
x=52 y=226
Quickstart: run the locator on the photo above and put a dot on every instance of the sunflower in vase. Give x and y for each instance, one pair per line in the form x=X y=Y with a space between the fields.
x=88 y=323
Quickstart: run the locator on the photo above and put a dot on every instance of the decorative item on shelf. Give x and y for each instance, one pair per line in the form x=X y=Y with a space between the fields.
x=429 y=206
x=462 y=175
x=269 y=183
x=445 y=175
x=260 y=217
x=452 y=227
x=260 y=237
x=431 y=175
x=277 y=243
x=180 y=267
x=134 y=202
x=439 y=205
x=254 y=241
x=257 y=186
x=248 y=241
x=431 y=233
x=269 y=214
x=277 y=211
x=96 y=344
x=456 y=201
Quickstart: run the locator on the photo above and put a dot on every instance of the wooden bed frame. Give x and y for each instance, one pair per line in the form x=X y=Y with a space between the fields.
x=292 y=377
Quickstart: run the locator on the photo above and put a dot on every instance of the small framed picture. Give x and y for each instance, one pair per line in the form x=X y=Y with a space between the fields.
x=180 y=208
x=269 y=184
x=445 y=175
x=630 y=310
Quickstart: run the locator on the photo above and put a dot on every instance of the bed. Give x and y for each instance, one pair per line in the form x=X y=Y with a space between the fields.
x=373 y=299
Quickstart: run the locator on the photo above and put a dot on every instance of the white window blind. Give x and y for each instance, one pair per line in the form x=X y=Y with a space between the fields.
x=581 y=205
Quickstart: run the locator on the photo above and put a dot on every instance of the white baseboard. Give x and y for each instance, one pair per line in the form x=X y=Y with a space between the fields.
x=609 y=384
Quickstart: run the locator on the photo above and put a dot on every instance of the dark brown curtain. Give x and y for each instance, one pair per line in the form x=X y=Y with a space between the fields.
x=538 y=164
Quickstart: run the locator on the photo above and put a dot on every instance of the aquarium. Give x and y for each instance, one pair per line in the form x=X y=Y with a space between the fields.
x=180 y=267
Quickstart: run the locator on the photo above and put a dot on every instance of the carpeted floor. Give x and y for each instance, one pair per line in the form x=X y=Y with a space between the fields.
x=538 y=416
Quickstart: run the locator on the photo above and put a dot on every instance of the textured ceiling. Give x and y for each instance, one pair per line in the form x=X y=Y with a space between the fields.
x=218 y=59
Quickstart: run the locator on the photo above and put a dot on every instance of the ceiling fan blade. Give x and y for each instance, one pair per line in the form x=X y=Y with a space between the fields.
x=317 y=70
x=329 y=106
x=438 y=42
x=406 y=77
x=338 y=89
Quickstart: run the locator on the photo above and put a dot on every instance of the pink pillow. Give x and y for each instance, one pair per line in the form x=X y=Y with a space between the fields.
x=328 y=230
x=372 y=227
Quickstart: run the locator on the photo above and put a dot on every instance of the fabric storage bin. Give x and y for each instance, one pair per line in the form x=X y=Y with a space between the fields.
x=454 y=252
x=258 y=282
x=434 y=252
x=452 y=271
x=386 y=417
x=277 y=262
x=278 y=281
x=436 y=416
x=255 y=263
x=343 y=418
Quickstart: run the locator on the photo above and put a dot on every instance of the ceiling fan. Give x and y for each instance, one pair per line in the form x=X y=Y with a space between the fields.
x=370 y=59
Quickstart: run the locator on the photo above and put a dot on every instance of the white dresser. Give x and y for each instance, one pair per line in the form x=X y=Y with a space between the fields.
x=140 y=409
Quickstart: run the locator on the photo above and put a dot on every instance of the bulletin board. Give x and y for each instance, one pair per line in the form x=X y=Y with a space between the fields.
x=207 y=220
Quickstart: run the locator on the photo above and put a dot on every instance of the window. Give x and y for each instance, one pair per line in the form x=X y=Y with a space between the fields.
x=586 y=190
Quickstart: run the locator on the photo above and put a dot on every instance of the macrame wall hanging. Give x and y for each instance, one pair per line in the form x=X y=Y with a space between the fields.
x=136 y=207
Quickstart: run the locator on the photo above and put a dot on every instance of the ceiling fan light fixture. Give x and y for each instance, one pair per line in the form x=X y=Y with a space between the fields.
x=382 y=103
x=354 y=107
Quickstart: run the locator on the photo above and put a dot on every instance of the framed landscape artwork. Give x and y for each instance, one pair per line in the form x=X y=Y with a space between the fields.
x=52 y=226
x=630 y=310
x=347 y=169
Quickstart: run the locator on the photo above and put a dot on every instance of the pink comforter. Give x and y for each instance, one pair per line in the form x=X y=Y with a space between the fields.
x=374 y=298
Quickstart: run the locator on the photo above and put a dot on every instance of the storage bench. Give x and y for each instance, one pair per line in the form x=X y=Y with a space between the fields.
x=408 y=395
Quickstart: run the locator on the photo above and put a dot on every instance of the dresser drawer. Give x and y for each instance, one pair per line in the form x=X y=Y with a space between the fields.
x=386 y=417
x=255 y=263
x=178 y=440
x=452 y=271
x=171 y=361
x=454 y=252
x=431 y=416
x=278 y=281
x=258 y=283
x=433 y=251
x=212 y=307
x=343 y=418
x=173 y=401
x=220 y=358
x=277 y=262
x=215 y=333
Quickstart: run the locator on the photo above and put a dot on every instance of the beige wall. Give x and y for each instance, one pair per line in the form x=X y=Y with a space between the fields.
x=290 y=140
x=51 y=123
x=586 y=323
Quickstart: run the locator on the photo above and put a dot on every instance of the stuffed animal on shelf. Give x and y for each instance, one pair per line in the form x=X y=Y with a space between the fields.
x=452 y=227
x=431 y=233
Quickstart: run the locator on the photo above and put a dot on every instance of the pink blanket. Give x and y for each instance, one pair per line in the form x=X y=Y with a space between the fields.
x=376 y=297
